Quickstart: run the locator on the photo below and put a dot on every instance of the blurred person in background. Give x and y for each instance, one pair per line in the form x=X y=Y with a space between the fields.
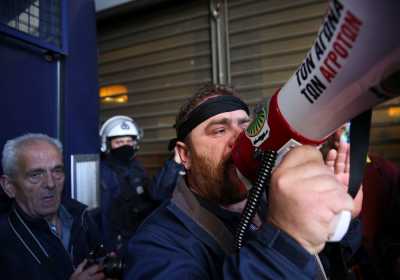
x=379 y=255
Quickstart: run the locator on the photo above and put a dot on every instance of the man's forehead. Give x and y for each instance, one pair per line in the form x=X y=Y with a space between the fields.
x=39 y=155
x=208 y=109
x=234 y=116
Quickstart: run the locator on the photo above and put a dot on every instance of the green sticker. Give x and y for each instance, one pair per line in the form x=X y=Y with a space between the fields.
x=256 y=126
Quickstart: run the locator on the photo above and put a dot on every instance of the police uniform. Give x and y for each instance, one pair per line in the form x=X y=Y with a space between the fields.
x=124 y=199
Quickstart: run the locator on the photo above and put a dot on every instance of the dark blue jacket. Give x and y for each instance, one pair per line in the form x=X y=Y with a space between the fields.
x=184 y=240
x=16 y=262
x=118 y=177
x=337 y=258
x=5 y=202
x=163 y=184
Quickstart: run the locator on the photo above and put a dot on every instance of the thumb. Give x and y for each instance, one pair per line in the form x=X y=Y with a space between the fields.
x=301 y=155
x=81 y=266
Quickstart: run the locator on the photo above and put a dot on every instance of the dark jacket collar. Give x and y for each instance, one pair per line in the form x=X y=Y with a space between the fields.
x=185 y=201
x=39 y=223
x=71 y=208
x=229 y=218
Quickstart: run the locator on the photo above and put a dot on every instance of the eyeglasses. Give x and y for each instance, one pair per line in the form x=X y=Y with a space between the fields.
x=40 y=175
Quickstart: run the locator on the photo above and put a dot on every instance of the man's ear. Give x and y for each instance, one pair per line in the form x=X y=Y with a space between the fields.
x=184 y=154
x=7 y=185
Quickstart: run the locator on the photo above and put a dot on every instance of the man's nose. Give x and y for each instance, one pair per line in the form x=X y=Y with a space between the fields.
x=236 y=130
x=50 y=182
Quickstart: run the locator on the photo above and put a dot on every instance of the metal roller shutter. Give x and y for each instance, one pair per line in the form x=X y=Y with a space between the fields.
x=161 y=56
x=385 y=130
x=268 y=40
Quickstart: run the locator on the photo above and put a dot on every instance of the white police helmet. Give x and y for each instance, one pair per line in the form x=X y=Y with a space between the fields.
x=119 y=126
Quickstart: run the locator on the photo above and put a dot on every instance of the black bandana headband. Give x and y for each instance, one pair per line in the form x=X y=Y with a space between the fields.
x=209 y=108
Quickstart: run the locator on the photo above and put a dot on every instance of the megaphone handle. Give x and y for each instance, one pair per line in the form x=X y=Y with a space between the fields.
x=340 y=225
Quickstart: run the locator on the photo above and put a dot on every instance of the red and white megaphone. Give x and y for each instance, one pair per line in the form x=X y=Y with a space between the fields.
x=353 y=65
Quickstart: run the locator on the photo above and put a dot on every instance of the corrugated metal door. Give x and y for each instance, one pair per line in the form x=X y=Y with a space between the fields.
x=269 y=39
x=385 y=131
x=161 y=56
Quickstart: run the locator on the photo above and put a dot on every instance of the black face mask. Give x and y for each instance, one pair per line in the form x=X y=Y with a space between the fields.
x=124 y=153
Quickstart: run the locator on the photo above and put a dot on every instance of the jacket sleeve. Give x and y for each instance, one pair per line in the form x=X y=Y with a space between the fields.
x=163 y=183
x=351 y=242
x=94 y=236
x=270 y=254
x=107 y=190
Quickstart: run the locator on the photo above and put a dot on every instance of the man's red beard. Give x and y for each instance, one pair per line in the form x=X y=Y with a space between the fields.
x=218 y=183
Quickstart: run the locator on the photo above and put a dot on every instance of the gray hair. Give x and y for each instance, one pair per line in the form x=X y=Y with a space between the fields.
x=12 y=147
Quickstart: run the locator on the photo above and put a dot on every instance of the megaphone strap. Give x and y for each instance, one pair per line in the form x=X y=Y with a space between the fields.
x=359 y=142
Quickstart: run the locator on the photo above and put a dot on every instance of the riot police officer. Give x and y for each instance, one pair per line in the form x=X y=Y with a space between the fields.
x=124 y=197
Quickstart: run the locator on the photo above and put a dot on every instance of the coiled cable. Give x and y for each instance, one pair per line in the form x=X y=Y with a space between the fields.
x=262 y=183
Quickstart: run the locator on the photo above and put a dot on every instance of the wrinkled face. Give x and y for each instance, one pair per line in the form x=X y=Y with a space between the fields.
x=211 y=172
x=122 y=141
x=39 y=182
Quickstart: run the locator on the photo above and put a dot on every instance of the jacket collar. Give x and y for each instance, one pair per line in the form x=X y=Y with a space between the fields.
x=30 y=221
x=196 y=216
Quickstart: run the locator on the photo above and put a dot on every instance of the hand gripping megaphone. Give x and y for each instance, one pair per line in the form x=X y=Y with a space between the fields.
x=353 y=65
